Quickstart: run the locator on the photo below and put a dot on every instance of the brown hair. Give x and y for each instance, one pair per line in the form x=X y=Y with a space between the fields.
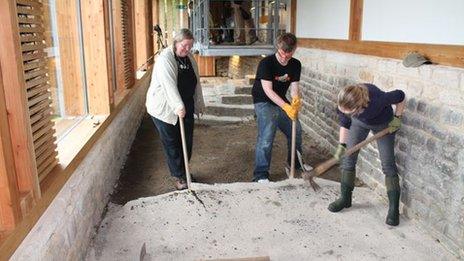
x=286 y=42
x=353 y=97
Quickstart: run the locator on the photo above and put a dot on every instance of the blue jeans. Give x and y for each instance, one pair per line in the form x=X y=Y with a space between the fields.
x=269 y=118
x=386 y=145
x=172 y=144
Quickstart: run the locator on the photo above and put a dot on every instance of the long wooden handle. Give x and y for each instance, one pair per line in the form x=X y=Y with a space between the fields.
x=323 y=167
x=184 y=150
x=293 y=147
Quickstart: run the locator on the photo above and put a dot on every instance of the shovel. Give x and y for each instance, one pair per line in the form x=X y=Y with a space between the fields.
x=325 y=166
x=304 y=167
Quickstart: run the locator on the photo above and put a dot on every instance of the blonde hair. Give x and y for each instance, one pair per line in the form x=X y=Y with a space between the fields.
x=183 y=34
x=353 y=97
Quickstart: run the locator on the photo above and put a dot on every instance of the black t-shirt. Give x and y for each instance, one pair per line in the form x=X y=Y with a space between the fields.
x=186 y=84
x=281 y=76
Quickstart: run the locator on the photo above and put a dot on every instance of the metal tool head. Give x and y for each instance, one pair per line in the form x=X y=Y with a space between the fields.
x=304 y=167
x=307 y=172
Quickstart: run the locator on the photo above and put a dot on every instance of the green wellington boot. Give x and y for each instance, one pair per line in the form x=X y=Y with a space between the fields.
x=347 y=186
x=393 y=192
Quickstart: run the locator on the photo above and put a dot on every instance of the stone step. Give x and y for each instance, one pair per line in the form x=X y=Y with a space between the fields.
x=243 y=90
x=230 y=110
x=237 y=99
x=250 y=79
x=212 y=119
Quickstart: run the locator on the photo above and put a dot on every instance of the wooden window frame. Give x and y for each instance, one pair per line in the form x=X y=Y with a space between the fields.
x=450 y=55
x=15 y=131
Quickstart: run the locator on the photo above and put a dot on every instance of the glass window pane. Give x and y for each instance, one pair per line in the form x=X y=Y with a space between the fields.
x=65 y=63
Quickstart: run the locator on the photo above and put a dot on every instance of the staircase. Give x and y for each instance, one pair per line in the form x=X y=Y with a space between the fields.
x=227 y=100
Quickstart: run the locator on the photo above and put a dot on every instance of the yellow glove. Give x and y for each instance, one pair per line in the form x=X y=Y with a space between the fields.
x=296 y=103
x=290 y=111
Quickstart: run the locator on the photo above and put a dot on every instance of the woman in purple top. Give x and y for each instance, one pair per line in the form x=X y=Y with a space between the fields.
x=363 y=108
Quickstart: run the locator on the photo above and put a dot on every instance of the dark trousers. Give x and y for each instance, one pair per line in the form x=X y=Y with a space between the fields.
x=386 y=145
x=172 y=144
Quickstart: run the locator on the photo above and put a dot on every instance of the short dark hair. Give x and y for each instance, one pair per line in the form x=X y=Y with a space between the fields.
x=287 y=42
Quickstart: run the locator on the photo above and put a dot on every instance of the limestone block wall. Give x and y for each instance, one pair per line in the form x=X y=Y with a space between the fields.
x=66 y=227
x=429 y=146
x=239 y=66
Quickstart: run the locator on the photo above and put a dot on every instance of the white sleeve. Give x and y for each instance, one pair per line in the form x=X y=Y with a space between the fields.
x=167 y=75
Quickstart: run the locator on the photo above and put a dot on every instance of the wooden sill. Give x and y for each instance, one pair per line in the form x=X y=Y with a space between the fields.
x=55 y=180
x=74 y=141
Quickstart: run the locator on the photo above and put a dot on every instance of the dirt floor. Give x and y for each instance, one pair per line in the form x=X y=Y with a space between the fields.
x=222 y=153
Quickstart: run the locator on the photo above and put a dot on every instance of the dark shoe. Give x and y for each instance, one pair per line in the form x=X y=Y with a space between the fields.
x=393 y=216
x=346 y=187
x=180 y=184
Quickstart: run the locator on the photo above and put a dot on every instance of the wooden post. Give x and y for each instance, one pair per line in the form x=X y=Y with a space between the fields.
x=356 y=13
x=156 y=16
x=141 y=20
x=10 y=213
x=293 y=17
x=16 y=101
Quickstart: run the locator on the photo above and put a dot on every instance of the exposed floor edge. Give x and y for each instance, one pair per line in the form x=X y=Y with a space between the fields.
x=224 y=119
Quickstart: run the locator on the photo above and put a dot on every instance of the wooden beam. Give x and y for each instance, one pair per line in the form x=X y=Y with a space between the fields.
x=356 y=14
x=59 y=175
x=451 y=55
x=16 y=100
x=96 y=66
x=10 y=213
x=293 y=17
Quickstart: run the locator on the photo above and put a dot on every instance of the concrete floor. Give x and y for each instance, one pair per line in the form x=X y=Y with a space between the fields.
x=283 y=220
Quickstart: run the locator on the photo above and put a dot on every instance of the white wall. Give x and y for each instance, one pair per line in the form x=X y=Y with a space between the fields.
x=328 y=19
x=414 y=21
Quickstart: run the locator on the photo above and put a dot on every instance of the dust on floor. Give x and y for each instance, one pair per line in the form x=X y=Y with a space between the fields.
x=222 y=153
x=284 y=220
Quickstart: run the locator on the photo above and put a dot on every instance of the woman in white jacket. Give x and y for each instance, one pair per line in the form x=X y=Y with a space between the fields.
x=175 y=91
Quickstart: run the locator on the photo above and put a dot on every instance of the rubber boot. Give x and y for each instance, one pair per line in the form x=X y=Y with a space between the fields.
x=347 y=186
x=393 y=191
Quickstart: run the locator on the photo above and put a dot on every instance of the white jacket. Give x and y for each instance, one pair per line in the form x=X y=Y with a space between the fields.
x=163 y=98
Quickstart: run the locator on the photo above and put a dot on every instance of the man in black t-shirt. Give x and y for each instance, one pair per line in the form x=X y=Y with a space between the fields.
x=275 y=75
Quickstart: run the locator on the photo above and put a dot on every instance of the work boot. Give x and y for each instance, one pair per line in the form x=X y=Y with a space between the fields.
x=393 y=191
x=347 y=186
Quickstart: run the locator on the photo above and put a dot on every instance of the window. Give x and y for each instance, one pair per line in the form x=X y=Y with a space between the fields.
x=66 y=70
x=247 y=27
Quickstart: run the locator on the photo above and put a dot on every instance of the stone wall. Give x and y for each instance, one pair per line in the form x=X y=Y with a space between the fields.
x=237 y=66
x=429 y=145
x=222 y=66
x=64 y=231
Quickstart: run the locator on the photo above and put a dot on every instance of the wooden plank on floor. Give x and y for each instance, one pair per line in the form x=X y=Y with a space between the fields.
x=259 y=258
